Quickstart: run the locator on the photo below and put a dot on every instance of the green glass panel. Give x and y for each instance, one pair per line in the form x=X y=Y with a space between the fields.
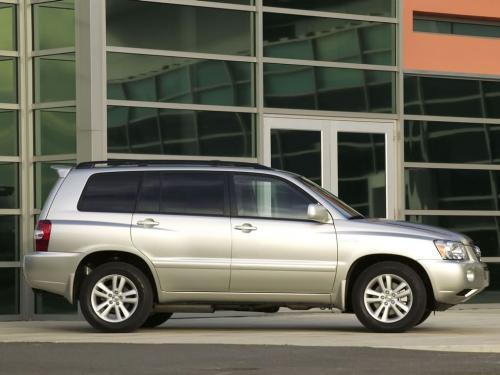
x=437 y=96
x=361 y=172
x=179 y=80
x=45 y=178
x=54 y=25
x=9 y=291
x=55 y=131
x=386 y=8
x=8 y=80
x=55 y=78
x=334 y=89
x=432 y=26
x=9 y=239
x=8 y=133
x=7 y=27
x=484 y=230
x=180 y=132
x=457 y=27
x=297 y=151
x=445 y=142
x=142 y=24
x=48 y=303
x=328 y=39
x=9 y=185
x=444 y=189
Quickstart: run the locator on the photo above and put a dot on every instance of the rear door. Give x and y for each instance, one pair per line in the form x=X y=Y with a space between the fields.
x=182 y=224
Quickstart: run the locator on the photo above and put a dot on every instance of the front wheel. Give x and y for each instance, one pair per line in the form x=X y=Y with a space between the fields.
x=389 y=297
x=116 y=297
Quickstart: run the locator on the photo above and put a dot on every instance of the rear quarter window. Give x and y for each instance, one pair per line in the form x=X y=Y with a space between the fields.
x=110 y=192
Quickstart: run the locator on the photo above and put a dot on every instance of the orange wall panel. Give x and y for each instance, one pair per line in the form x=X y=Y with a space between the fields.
x=450 y=53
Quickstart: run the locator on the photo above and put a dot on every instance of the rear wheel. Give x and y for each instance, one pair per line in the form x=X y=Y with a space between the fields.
x=427 y=313
x=116 y=297
x=389 y=297
x=156 y=319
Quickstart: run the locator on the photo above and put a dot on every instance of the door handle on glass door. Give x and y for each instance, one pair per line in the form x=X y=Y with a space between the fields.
x=148 y=223
x=245 y=228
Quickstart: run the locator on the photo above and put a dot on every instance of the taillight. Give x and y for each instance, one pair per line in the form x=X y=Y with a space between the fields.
x=42 y=235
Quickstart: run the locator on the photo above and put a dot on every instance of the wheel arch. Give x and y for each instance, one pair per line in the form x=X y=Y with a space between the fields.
x=98 y=258
x=364 y=262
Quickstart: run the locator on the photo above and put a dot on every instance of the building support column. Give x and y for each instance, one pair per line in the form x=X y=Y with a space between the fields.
x=91 y=119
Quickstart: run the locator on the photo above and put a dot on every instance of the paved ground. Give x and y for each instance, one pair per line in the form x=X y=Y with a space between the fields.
x=124 y=359
x=455 y=330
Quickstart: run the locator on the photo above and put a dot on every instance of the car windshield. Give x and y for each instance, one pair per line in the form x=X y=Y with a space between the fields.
x=349 y=212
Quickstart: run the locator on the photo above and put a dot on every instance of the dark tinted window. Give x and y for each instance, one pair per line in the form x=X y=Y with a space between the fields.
x=110 y=192
x=267 y=197
x=183 y=194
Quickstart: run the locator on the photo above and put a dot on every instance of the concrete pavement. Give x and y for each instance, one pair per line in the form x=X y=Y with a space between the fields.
x=470 y=330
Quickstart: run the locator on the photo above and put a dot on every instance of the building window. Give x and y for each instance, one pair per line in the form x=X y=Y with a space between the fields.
x=441 y=24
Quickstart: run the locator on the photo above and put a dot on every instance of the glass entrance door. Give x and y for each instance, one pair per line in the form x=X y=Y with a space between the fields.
x=353 y=159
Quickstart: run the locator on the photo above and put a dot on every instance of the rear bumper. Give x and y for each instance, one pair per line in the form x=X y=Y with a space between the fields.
x=52 y=272
x=456 y=282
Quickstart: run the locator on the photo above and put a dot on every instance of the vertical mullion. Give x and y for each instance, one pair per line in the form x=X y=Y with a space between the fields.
x=398 y=138
x=258 y=34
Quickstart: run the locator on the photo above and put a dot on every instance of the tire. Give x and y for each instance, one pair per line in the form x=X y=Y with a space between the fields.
x=156 y=320
x=106 y=309
x=427 y=313
x=410 y=300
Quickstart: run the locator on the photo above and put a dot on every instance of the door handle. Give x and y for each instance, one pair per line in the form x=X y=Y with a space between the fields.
x=148 y=223
x=245 y=228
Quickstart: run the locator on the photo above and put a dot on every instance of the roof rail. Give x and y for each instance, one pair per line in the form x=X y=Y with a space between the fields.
x=146 y=163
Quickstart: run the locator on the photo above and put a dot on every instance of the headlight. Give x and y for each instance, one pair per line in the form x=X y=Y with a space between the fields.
x=477 y=251
x=451 y=250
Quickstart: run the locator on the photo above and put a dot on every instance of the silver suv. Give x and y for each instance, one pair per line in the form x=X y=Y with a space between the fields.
x=136 y=241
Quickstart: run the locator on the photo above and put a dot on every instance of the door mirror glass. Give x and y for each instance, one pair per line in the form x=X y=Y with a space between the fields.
x=317 y=212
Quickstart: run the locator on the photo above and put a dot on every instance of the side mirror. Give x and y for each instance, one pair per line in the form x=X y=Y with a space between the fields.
x=317 y=212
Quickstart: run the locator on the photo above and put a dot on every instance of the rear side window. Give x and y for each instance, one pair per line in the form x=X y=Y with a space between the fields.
x=183 y=194
x=110 y=192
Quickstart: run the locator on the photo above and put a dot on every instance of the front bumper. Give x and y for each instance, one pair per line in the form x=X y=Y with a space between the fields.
x=52 y=272
x=456 y=282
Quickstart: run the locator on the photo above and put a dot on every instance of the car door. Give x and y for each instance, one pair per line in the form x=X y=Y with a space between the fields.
x=182 y=224
x=276 y=248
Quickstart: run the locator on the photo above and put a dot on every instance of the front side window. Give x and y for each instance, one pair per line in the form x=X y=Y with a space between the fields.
x=110 y=192
x=182 y=194
x=268 y=197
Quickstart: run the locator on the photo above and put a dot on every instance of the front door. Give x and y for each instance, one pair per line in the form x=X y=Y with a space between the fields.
x=353 y=159
x=276 y=249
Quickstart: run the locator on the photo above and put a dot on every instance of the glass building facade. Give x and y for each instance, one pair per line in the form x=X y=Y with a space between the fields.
x=317 y=87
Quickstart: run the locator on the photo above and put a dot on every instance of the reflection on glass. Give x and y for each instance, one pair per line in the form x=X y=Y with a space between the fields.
x=8 y=80
x=54 y=24
x=141 y=24
x=328 y=39
x=9 y=238
x=361 y=172
x=8 y=133
x=333 y=89
x=9 y=185
x=45 y=178
x=444 y=142
x=445 y=189
x=9 y=291
x=180 y=132
x=179 y=80
x=55 y=131
x=368 y=7
x=55 y=78
x=484 y=230
x=48 y=303
x=7 y=27
x=452 y=97
x=297 y=151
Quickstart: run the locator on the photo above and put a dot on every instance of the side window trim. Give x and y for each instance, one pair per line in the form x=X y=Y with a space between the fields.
x=227 y=204
x=234 y=203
